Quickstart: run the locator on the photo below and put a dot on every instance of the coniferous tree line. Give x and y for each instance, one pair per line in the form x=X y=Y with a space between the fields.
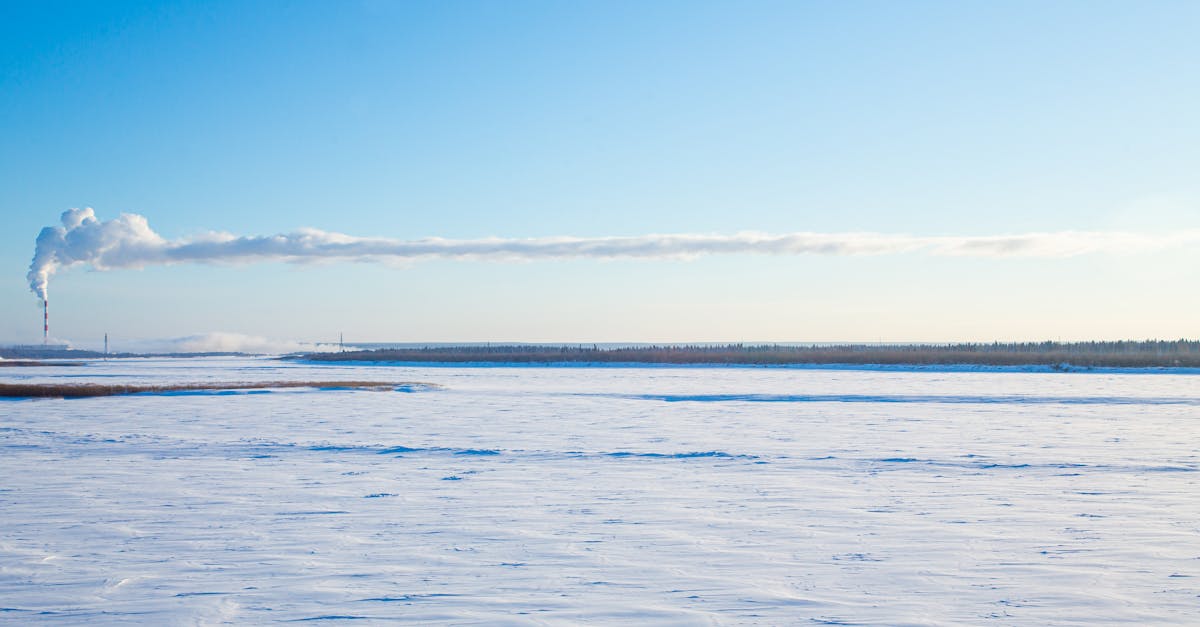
x=1124 y=353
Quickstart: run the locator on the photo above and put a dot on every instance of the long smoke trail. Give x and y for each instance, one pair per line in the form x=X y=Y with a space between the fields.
x=128 y=242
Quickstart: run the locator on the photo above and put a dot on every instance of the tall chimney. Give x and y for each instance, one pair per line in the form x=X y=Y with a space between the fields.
x=45 y=321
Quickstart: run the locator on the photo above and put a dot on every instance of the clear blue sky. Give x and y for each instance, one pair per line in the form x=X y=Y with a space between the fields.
x=524 y=119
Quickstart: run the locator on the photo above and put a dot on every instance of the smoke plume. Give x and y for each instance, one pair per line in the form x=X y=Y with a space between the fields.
x=128 y=242
x=221 y=342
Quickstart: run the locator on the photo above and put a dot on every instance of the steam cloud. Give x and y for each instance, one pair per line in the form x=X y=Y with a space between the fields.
x=128 y=242
x=221 y=342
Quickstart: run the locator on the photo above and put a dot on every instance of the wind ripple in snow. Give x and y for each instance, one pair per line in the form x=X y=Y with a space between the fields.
x=893 y=398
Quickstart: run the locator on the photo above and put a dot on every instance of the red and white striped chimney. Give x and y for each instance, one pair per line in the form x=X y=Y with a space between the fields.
x=46 y=321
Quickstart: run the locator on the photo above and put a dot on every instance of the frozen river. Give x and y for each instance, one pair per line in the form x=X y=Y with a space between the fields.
x=550 y=495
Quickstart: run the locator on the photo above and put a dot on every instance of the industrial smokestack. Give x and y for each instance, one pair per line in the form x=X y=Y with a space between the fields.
x=45 y=321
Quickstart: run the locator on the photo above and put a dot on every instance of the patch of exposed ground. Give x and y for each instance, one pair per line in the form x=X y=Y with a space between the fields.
x=82 y=390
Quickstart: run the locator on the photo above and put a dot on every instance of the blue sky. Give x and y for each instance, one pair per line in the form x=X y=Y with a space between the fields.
x=530 y=119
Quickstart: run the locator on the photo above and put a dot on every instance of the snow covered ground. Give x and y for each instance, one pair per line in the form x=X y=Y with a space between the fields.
x=603 y=495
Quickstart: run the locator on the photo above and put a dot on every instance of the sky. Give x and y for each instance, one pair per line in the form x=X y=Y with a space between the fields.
x=515 y=120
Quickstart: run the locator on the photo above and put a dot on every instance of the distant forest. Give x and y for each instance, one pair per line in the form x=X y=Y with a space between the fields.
x=1122 y=354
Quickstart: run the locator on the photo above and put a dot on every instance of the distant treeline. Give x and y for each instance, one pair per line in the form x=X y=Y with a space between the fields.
x=31 y=363
x=1122 y=354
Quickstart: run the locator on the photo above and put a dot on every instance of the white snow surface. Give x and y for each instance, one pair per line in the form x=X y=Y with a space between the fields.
x=604 y=496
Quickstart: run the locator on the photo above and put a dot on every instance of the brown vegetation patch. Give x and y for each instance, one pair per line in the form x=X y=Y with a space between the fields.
x=82 y=390
x=19 y=363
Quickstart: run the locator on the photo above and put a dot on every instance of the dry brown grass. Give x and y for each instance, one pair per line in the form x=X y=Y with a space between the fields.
x=18 y=363
x=82 y=390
